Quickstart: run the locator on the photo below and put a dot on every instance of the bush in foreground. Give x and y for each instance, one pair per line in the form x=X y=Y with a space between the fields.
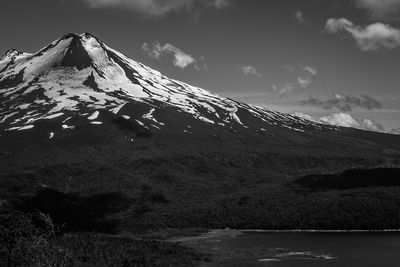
x=27 y=240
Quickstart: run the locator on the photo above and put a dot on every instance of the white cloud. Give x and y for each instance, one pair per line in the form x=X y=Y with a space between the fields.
x=299 y=16
x=395 y=131
x=180 y=58
x=380 y=9
x=250 y=70
x=371 y=125
x=312 y=70
x=156 y=8
x=339 y=119
x=345 y=120
x=303 y=82
x=370 y=38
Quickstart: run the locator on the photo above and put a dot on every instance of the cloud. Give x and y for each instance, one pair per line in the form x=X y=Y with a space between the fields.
x=371 y=125
x=339 y=119
x=180 y=58
x=299 y=16
x=250 y=70
x=303 y=81
x=312 y=70
x=369 y=38
x=285 y=90
x=380 y=9
x=156 y=8
x=290 y=88
x=395 y=131
x=344 y=102
x=345 y=120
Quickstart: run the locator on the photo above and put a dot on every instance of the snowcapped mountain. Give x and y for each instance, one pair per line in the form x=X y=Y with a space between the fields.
x=77 y=81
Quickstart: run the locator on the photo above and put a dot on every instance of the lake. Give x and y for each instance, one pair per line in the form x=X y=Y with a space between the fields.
x=298 y=249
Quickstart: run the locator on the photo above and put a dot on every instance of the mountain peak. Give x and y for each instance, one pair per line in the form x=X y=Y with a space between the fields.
x=76 y=54
x=86 y=35
x=70 y=35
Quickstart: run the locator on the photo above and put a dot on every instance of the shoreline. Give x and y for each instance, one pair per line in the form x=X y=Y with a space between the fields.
x=232 y=233
x=319 y=231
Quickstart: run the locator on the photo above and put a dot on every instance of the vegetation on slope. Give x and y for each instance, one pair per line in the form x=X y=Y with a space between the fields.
x=112 y=198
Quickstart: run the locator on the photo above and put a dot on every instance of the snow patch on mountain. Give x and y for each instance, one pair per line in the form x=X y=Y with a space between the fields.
x=94 y=115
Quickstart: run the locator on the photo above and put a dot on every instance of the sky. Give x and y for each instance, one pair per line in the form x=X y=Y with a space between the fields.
x=332 y=61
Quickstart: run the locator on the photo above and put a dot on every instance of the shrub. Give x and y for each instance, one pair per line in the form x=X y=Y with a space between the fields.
x=28 y=240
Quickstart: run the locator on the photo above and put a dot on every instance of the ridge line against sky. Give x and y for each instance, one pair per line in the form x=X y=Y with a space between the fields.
x=314 y=58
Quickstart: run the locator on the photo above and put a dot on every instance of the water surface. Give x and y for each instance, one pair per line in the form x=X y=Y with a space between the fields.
x=298 y=249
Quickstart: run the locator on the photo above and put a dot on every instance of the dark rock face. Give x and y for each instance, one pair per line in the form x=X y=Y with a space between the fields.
x=91 y=82
x=76 y=55
x=12 y=81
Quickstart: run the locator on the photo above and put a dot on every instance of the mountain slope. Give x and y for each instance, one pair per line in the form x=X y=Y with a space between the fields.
x=76 y=76
x=78 y=89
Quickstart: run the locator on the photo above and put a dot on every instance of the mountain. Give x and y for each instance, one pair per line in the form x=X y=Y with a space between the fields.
x=77 y=82
x=79 y=92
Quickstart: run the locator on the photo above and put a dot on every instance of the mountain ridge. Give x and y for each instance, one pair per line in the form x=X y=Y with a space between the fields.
x=77 y=76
